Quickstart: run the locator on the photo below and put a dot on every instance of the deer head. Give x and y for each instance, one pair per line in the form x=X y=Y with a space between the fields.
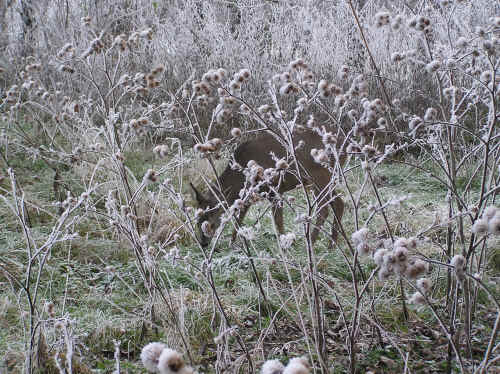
x=209 y=220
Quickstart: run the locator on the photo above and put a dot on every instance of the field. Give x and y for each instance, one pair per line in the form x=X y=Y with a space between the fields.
x=122 y=227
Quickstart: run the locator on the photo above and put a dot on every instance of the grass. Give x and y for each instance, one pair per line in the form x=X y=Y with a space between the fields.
x=105 y=306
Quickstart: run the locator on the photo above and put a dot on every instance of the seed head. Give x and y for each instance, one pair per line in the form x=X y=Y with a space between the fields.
x=417 y=298
x=480 y=226
x=150 y=356
x=272 y=367
x=378 y=257
x=458 y=262
x=170 y=362
x=297 y=365
x=363 y=249
x=430 y=114
x=149 y=177
x=396 y=22
x=486 y=76
x=424 y=285
x=382 y=18
x=161 y=150
x=490 y=212
x=385 y=273
x=401 y=254
x=329 y=138
x=235 y=132
x=369 y=150
x=288 y=88
x=222 y=72
x=416 y=269
x=50 y=309
x=281 y=165
x=462 y=42
x=433 y=66
x=245 y=73
x=494 y=225
x=397 y=57
x=340 y=100
x=322 y=85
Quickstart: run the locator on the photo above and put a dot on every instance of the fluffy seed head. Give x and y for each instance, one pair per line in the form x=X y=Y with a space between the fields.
x=235 y=132
x=149 y=177
x=322 y=85
x=401 y=242
x=389 y=259
x=397 y=57
x=50 y=309
x=378 y=257
x=329 y=138
x=281 y=165
x=433 y=66
x=235 y=85
x=245 y=73
x=490 y=212
x=480 y=226
x=430 y=114
x=161 y=150
x=360 y=236
x=385 y=273
x=401 y=254
x=485 y=76
x=297 y=365
x=288 y=88
x=369 y=150
x=416 y=269
x=462 y=42
x=424 y=285
x=417 y=298
x=494 y=225
x=411 y=243
x=458 y=261
x=363 y=249
x=150 y=356
x=272 y=367
x=170 y=362
x=382 y=18
x=396 y=22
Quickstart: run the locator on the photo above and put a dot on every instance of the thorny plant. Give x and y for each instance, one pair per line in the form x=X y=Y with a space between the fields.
x=454 y=133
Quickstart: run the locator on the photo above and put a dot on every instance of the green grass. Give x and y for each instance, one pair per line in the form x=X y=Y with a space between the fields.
x=105 y=306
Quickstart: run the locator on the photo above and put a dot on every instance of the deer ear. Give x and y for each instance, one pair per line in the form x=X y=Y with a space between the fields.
x=199 y=197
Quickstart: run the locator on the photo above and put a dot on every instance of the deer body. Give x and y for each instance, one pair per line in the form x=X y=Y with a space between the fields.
x=261 y=151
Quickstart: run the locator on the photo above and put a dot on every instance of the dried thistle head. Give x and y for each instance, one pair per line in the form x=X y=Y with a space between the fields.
x=480 y=226
x=170 y=362
x=417 y=298
x=494 y=225
x=297 y=365
x=424 y=285
x=150 y=356
x=272 y=367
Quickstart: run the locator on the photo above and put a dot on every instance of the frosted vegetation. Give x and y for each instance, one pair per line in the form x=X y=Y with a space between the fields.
x=135 y=238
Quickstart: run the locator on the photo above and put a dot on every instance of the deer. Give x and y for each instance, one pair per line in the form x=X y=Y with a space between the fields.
x=272 y=176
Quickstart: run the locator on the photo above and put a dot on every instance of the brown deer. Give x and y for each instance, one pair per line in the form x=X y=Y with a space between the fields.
x=265 y=150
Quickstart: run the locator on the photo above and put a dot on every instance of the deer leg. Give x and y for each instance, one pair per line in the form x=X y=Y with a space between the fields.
x=322 y=216
x=338 y=209
x=278 y=218
x=239 y=221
